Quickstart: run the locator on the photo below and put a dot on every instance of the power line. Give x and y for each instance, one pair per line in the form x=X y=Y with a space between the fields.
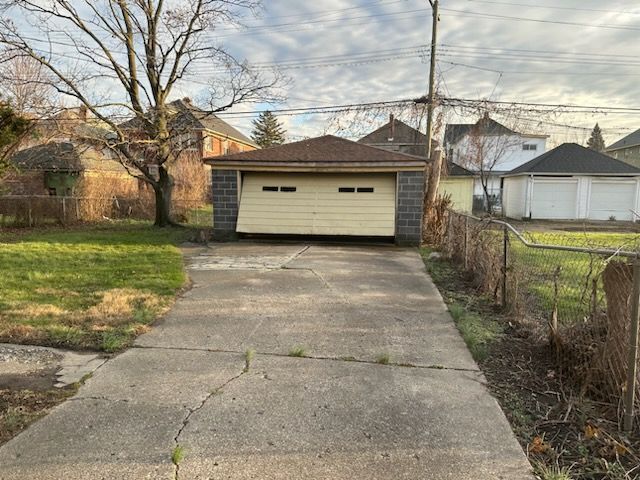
x=554 y=7
x=467 y=13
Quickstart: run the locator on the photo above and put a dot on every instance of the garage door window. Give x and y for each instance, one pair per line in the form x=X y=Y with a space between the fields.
x=354 y=189
x=267 y=188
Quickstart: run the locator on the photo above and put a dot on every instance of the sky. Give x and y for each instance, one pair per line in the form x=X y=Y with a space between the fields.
x=506 y=59
x=578 y=52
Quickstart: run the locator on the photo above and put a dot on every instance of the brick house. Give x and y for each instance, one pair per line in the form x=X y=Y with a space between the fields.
x=198 y=134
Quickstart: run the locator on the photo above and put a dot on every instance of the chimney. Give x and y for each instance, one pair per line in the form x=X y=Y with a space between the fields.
x=187 y=100
x=82 y=113
x=392 y=127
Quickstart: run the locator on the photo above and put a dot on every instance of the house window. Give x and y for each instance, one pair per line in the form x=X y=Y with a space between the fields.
x=287 y=189
x=346 y=189
x=529 y=146
x=365 y=189
x=208 y=143
x=269 y=189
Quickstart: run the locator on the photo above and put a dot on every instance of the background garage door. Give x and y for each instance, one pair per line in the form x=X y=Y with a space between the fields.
x=318 y=204
x=612 y=198
x=554 y=199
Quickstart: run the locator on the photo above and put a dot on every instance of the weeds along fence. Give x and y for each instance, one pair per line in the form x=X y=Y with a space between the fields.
x=580 y=290
x=39 y=210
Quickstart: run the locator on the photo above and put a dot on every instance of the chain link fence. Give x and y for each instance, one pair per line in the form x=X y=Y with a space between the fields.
x=579 y=289
x=40 y=210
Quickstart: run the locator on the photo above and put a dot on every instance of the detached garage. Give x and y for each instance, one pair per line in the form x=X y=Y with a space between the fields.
x=572 y=182
x=322 y=186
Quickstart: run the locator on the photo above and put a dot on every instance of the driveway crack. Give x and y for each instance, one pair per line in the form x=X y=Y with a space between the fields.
x=349 y=359
x=190 y=412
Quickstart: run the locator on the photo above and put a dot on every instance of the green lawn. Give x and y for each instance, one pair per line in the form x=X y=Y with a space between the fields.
x=534 y=270
x=88 y=287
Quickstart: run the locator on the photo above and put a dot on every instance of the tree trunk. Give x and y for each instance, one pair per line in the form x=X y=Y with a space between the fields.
x=487 y=197
x=433 y=181
x=163 y=189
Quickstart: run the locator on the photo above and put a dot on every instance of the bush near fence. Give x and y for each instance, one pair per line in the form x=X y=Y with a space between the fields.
x=581 y=300
x=40 y=210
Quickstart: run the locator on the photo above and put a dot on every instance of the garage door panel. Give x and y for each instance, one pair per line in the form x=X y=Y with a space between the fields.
x=612 y=199
x=317 y=207
x=554 y=199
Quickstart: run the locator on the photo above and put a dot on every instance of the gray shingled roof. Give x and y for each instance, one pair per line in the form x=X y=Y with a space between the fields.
x=629 y=141
x=188 y=116
x=208 y=121
x=325 y=149
x=63 y=157
x=455 y=170
x=485 y=126
x=402 y=134
x=571 y=158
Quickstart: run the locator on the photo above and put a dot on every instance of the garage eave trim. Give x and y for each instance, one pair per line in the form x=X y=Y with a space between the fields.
x=319 y=167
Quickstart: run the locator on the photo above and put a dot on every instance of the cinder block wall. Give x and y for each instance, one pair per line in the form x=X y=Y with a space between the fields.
x=410 y=205
x=224 y=184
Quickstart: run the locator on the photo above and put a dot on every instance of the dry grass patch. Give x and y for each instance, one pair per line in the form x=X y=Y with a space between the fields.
x=123 y=305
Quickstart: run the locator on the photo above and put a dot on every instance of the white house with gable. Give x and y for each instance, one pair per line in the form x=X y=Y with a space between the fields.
x=489 y=149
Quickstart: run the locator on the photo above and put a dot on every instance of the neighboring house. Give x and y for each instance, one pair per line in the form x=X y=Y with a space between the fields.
x=572 y=182
x=627 y=149
x=62 y=168
x=458 y=183
x=321 y=186
x=397 y=136
x=197 y=134
x=490 y=147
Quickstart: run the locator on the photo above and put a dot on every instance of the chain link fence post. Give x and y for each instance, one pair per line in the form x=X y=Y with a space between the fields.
x=632 y=362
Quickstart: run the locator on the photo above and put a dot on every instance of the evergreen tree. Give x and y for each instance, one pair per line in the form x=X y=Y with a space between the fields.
x=596 y=142
x=267 y=130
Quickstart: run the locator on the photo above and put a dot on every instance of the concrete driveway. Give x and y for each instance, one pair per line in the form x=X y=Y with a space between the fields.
x=336 y=414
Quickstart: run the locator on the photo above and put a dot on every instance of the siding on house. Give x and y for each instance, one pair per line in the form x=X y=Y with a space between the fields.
x=461 y=191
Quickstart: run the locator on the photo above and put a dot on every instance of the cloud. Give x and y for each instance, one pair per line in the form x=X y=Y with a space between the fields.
x=538 y=76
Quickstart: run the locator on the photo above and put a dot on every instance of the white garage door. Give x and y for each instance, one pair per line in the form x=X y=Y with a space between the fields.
x=612 y=198
x=554 y=199
x=318 y=204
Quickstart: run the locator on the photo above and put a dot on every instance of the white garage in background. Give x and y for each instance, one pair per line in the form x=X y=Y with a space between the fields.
x=572 y=182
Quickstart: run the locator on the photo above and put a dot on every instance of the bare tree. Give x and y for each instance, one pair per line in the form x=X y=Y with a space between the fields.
x=487 y=146
x=26 y=85
x=123 y=59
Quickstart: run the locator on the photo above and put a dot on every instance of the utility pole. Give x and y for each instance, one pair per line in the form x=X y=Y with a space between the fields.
x=432 y=74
